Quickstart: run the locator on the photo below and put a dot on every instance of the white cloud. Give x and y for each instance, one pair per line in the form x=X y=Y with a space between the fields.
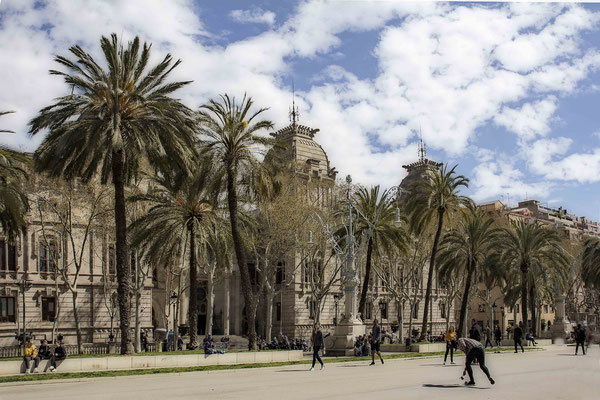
x=442 y=68
x=501 y=180
x=530 y=120
x=254 y=15
x=547 y=157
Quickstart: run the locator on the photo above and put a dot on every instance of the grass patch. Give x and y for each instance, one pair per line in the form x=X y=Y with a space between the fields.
x=154 y=371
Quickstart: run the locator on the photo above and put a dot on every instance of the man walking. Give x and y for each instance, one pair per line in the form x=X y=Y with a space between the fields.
x=488 y=336
x=580 y=338
x=475 y=332
x=517 y=335
x=375 y=342
x=318 y=343
x=474 y=351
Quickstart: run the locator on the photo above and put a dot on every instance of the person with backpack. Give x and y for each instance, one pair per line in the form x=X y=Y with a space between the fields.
x=517 y=335
x=580 y=338
x=473 y=349
x=318 y=344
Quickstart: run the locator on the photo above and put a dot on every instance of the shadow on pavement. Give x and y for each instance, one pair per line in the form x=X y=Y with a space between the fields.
x=294 y=370
x=456 y=385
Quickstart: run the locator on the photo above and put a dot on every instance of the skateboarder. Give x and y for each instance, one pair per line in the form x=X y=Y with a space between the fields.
x=474 y=351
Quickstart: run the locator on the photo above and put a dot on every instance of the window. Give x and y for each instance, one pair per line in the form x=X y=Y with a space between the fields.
x=112 y=260
x=279 y=274
x=443 y=310
x=7 y=309
x=278 y=311
x=2 y=255
x=48 y=308
x=416 y=310
x=369 y=311
x=383 y=307
x=12 y=257
x=312 y=309
x=517 y=308
x=481 y=308
x=546 y=309
x=47 y=257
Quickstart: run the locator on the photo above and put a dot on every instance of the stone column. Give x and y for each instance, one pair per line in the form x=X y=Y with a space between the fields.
x=226 y=306
x=560 y=327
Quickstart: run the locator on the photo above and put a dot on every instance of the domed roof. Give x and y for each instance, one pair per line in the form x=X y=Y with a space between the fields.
x=307 y=154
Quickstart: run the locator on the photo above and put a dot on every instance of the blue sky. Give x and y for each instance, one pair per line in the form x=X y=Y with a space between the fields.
x=509 y=92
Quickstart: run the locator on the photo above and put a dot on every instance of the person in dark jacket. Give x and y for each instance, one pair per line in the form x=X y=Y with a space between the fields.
x=376 y=342
x=475 y=332
x=580 y=338
x=44 y=351
x=473 y=349
x=60 y=353
x=518 y=335
x=318 y=344
x=498 y=336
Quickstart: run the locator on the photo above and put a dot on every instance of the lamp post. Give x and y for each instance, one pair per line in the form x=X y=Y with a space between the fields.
x=175 y=332
x=381 y=307
x=24 y=284
x=502 y=312
x=494 y=314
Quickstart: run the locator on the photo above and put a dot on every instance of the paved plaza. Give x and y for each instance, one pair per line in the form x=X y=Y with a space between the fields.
x=552 y=374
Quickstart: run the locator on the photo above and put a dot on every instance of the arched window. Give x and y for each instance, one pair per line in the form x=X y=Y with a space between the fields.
x=47 y=256
x=8 y=256
x=112 y=260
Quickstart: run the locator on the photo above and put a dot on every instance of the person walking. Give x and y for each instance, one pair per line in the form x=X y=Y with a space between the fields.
x=30 y=354
x=318 y=343
x=580 y=338
x=376 y=342
x=487 y=332
x=518 y=335
x=450 y=336
x=473 y=349
x=475 y=332
x=498 y=336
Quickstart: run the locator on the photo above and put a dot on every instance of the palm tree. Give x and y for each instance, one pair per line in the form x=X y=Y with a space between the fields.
x=377 y=222
x=464 y=250
x=429 y=198
x=13 y=201
x=114 y=119
x=528 y=247
x=590 y=264
x=179 y=205
x=229 y=131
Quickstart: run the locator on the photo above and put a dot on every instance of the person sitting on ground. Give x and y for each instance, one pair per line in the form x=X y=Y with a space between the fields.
x=358 y=346
x=530 y=339
x=473 y=349
x=366 y=346
x=30 y=354
x=209 y=345
x=60 y=353
x=44 y=350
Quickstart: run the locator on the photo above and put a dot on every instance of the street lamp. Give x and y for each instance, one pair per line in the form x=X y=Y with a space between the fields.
x=24 y=284
x=502 y=312
x=494 y=314
x=381 y=307
x=174 y=302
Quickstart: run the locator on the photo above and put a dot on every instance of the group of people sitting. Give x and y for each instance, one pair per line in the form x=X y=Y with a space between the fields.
x=209 y=346
x=362 y=346
x=33 y=355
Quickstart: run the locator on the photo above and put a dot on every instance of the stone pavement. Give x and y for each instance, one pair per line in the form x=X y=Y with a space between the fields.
x=552 y=374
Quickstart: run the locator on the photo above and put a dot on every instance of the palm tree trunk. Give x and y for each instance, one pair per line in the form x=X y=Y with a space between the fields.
x=365 y=287
x=524 y=288
x=210 y=301
x=465 y=300
x=431 y=271
x=193 y=308
x=123 y=279
x=240 y=255
x=533 y=307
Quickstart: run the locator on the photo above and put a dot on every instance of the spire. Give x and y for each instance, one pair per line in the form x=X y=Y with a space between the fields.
x=422 y=150
x=294 y=114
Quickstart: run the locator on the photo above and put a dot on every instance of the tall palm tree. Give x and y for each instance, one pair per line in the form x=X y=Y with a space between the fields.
x=377 y=223
x=527 y=247
x=229 y=131
x=464 y=250
x=116 y=117
x=430 y=199
x=590 y=262
x=13 y=201
x=179 y=205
